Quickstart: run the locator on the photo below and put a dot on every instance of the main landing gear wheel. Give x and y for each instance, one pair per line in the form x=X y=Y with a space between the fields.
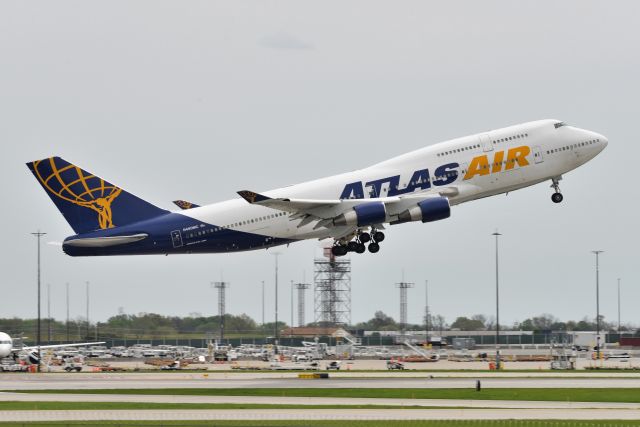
x=352 y=246
x=557 y=197
x=360 y=248
x=364 y=237
x=339 y=250
x=378 y=236
x=374 y=247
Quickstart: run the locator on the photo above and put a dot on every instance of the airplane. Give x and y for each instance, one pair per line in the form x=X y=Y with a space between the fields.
x=8 y=350
x=351 y=208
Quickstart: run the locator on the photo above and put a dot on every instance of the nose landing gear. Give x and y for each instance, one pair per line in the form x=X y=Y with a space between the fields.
x=557 y=196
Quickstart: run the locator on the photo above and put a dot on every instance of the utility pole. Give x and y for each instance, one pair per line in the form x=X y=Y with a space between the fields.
x=263 y=303
x=87 y=335
x=426 y=312
x=276 y=334
x=618 y=305
x=222 y=304
x=68 y=338
x=403 y=286
x=301 y=287
x=597 y=253
x=496 y=234
x=49 y=313
x=38 y=235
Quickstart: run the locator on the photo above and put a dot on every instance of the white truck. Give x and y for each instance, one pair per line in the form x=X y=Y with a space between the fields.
x=587 y=341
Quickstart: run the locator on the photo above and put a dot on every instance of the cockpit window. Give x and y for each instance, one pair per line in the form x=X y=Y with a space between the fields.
x=559 y=124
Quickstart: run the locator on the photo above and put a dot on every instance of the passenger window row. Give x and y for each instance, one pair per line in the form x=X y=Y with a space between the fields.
x=458 y=150
x=471 y=147
x=572 y=146
x=511 y=138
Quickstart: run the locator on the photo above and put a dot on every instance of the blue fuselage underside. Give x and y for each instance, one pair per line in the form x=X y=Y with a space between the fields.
x=173 y=233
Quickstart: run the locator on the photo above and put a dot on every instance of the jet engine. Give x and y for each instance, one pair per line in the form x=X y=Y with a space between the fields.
x=428 y=210
x=363 y=215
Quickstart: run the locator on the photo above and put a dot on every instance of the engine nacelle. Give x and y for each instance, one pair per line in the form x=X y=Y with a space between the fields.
x=363 y=215
x=428 y=210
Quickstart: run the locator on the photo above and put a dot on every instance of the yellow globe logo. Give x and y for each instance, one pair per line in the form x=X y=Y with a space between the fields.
x=72 y=184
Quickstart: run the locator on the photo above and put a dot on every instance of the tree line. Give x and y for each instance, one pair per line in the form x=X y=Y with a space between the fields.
x=152 y=325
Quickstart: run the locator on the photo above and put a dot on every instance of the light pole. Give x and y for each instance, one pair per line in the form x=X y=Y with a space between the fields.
x=263 y=303
x=496 y=234
x=426 y=312
x=38 y=235
x=597 y=253
x=618 y=306
x=49 y=313
x=67 y=311
x=276 y=335
x=291 y=325
x=87 y=283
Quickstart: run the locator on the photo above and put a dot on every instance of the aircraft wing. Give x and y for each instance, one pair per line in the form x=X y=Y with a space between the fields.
x=78 y=344
x=324 y=211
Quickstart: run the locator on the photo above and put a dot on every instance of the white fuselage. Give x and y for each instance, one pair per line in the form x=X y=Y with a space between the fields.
x=6 y=344
x=488 y=163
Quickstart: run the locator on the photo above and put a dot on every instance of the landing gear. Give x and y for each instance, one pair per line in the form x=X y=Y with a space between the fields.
x=557 y=196
x=378 y=236
x=352 y=246
x=359 y=244
x=339 y=250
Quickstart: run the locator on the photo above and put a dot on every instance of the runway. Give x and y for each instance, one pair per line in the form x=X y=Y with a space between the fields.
x=196 y=380
x=323 y=414
x=428 y=408
x=280 y=400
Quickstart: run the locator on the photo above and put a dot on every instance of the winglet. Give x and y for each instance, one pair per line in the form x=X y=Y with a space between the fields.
x=183 y=204
x=252 y=197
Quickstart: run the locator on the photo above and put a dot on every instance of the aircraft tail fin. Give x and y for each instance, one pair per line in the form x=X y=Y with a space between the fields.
x=88 y=202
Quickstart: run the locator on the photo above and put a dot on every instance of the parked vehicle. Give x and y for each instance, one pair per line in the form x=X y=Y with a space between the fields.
x=334 y=365
x=395 y=365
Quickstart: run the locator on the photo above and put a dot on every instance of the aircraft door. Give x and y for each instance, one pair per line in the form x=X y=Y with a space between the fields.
x=176 y=238
x=485 y=142
x=537 y=154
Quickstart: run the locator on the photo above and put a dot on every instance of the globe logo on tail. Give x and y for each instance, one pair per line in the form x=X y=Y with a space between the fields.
x=72 y=184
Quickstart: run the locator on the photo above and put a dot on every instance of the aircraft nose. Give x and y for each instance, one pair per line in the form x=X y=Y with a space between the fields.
x=602 y=141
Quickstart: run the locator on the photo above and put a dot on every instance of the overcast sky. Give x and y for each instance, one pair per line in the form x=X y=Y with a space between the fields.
x=199 y=99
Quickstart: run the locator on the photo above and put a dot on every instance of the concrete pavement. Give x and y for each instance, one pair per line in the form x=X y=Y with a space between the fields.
x=324 y=414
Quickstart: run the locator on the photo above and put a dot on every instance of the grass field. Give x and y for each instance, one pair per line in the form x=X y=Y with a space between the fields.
x=628 y=395
x=287 y=423
x=79 y=406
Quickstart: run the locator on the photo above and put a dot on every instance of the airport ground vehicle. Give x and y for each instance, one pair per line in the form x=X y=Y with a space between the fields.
x=395 y=365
